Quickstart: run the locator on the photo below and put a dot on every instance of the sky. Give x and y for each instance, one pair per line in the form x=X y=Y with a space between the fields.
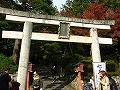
x=58 y=3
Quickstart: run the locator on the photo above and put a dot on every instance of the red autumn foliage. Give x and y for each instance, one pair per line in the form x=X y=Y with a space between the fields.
x=97 y=11
x=80 y=31
x=115 y=30
x=66 y=13
x=101 y=12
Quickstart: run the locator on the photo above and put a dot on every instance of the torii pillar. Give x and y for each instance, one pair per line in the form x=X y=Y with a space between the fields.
x=24 y=55
x=95 y=45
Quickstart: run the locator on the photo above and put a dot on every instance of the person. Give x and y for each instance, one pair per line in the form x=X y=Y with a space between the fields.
x=37 y=85
x=87 y=85
x=104 y=83
x=54 y=73
x=5 y=78
x=113 y=85
x=92 y=82
x=15 y=85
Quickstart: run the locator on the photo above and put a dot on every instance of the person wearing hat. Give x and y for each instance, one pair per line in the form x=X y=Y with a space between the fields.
x=104 y=83
x=36 y=81
x=5 y=78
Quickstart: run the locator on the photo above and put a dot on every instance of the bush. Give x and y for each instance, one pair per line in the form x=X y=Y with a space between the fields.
x=7 y=62
x=111 y=66
x=88 y=68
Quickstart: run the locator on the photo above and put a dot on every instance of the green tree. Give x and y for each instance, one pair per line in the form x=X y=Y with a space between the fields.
x=36 y=6
x=39 y=6
x=74 y=8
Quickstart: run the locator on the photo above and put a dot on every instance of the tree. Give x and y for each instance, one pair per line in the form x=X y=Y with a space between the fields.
x=93 y=9
x=36 y=6
x=39 y=6
x=75 y=8
x=97 y=10
x=116 y=28
x=6 y=3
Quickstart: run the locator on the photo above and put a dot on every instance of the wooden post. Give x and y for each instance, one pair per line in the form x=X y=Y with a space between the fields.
x=27 y=81
x=95 y=45
x=24 y=55
x=28 y=76
x=79 y=81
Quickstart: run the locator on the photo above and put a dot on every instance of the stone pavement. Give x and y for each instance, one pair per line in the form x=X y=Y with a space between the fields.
x=47 y=80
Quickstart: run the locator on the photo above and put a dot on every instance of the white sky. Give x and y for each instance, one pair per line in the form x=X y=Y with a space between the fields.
x=58 y=3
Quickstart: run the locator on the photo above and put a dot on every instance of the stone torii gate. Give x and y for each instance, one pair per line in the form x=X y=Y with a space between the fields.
x=27 y=35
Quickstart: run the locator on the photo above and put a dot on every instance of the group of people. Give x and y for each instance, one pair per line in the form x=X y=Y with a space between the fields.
x=6 y=81
x=105 y=82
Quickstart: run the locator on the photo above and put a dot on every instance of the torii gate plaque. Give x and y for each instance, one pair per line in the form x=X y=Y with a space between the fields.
x=27 y=35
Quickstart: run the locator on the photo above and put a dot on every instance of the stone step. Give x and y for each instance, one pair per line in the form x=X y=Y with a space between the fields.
x=46 y=77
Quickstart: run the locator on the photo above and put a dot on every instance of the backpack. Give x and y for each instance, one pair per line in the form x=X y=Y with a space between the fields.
x=87 y=86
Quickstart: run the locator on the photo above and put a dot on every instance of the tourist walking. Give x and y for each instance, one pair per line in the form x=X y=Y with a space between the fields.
x=53 y=70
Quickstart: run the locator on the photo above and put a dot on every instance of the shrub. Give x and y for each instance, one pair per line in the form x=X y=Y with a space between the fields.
x=7 y=62
x=111 y=66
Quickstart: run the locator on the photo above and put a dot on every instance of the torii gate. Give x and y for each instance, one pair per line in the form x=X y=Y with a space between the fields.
x=27 y=35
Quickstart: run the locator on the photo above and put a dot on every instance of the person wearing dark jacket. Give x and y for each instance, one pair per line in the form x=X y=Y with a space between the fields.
x=5 y=78
x=87 y=85
x=113 y=85
x=54 y=71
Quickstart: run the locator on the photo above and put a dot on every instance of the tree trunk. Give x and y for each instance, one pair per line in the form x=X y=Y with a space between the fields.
x=16 y=51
